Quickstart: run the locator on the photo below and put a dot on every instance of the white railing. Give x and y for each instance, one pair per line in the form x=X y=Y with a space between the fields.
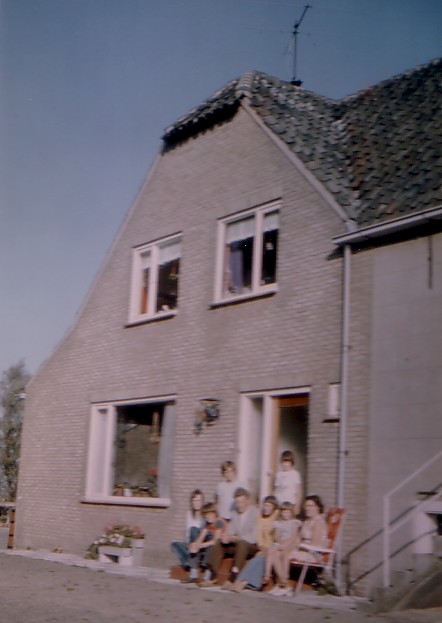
x=390 y=526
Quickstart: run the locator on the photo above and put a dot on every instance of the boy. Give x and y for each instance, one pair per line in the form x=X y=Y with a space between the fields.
x=225 y=490
x=288 y=483
x=200 y=548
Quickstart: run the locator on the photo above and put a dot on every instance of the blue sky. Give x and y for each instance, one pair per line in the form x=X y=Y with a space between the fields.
x=86 y=89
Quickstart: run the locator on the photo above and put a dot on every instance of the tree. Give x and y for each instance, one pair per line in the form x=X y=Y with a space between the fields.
x=12 y=394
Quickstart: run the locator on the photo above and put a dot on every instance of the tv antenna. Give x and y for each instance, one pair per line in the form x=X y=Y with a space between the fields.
x=295 y=81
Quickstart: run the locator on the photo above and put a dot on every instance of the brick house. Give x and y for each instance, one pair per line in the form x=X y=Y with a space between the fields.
x=283 y=258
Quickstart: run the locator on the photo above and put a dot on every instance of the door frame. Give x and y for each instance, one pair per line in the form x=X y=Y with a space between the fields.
x=268 y=431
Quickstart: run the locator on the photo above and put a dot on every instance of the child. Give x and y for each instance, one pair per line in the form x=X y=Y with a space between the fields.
x=200 y=549
x=225 y=490
x=288 y=483
x=194 y=523
x=278 y=554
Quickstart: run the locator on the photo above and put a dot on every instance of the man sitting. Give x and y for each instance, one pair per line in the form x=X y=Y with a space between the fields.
x=238 y=541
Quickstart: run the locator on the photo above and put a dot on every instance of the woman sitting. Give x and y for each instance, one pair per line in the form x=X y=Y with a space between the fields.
x=313 y=531
x=194 y=524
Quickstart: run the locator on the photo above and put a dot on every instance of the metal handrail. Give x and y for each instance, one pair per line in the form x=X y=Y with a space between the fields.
x=389 y=529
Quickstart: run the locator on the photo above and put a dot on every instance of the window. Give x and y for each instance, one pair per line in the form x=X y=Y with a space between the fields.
x=249 y=248
x=155 y=276
x=130 y=452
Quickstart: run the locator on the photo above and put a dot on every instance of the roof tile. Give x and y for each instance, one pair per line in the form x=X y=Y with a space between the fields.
x=378 y=151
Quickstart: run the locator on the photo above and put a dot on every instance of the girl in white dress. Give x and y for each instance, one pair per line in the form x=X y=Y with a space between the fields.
x=277 y=558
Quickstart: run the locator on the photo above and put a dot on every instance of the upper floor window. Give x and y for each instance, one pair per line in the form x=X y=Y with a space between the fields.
x=248 y=253
x=155 y=276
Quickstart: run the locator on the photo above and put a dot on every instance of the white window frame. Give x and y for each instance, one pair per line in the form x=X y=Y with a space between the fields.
x=135 y=316
x=257 y=289
x=99 y=471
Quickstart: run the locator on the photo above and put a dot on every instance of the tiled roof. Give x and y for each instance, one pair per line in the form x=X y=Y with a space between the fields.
x=378 y=152
x=220 y=106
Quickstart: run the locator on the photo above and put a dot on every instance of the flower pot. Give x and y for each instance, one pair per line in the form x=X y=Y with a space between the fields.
x=123 y=556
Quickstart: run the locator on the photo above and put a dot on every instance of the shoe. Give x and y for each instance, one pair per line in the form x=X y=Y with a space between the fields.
x=190 y=581
x=266 y=580
x=238 y=589
x=285 y=592
x=275 y=591
x=206 y=583
x=227 y=586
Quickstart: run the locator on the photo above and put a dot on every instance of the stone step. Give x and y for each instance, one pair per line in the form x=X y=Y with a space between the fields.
x=410 y=590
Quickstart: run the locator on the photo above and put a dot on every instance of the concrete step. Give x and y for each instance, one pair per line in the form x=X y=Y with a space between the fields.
x=425 y=593
x=420 y=592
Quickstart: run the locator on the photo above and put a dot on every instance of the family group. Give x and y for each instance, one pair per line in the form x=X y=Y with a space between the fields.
x=260 y=542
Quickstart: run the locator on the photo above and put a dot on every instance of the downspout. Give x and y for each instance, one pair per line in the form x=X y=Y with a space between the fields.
x=345 y=349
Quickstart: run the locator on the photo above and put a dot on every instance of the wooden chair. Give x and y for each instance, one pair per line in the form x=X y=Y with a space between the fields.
x=335 y=520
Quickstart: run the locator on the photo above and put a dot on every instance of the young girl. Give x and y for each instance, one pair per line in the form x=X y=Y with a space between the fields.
x=288 y=482
x=278 y=554
x=194 y=523
x=253 y=573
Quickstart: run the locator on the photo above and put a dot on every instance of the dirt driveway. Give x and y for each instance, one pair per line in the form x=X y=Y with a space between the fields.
x=41 y=591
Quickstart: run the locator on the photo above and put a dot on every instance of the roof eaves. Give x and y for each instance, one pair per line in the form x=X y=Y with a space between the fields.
x=386 y=228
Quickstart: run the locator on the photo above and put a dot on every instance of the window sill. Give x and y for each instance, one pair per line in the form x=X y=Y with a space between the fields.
x=156 y=318
x=127 y=501
x=242 y=298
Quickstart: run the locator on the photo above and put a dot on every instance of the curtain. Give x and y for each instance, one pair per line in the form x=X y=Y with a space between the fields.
x=240 y=230
x=271 y=221
x=170 y=251
x=236 y=267
x=145 y=260
x=165 y=460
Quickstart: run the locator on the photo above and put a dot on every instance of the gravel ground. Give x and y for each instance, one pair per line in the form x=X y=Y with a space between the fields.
x=35 y=590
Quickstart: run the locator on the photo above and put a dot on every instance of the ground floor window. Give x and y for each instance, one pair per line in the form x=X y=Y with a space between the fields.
x=269 y=423
x=130 y=452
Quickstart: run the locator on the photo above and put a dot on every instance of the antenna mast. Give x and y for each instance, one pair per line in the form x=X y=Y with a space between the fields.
x=295 y=81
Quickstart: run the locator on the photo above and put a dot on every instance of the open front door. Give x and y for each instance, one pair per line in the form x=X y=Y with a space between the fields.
x=269 y=425
x=293 y=430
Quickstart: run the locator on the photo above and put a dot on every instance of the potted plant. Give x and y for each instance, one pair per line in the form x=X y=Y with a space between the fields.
x=119 y=536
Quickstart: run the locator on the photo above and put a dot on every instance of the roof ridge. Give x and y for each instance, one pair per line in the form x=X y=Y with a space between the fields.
x=244 y=85
x=384 y=83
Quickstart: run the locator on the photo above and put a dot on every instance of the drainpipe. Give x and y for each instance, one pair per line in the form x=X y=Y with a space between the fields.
x=345 y=348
